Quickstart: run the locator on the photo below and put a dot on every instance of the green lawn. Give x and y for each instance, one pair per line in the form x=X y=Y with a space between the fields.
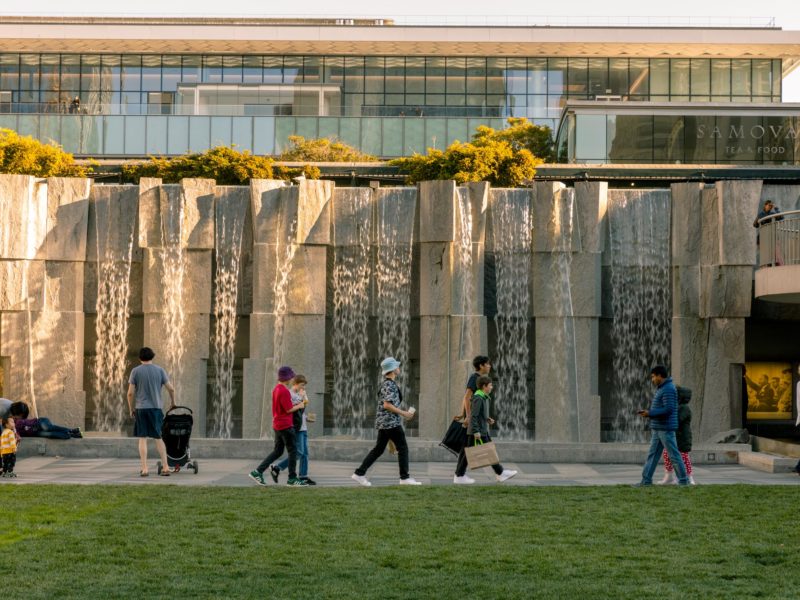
x=429 y=542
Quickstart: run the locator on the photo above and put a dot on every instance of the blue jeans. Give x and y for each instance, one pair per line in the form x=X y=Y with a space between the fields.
x=301 y=438
x=663 y=440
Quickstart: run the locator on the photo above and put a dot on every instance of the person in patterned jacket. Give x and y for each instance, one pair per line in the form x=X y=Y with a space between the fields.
x=389 y=423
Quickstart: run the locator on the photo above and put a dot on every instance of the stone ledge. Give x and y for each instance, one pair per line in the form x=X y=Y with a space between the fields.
x=769 y=463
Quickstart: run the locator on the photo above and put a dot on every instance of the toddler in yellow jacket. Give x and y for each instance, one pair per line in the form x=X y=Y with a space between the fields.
x=8 y=447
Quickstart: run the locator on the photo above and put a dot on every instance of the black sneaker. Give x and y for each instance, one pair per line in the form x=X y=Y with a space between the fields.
x=274 y=472
x=308 y=481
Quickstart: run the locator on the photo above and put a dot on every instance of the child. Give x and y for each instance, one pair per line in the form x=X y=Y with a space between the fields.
x=479 y=422
x=8 y=447
x=683 y=436
x=298 y=392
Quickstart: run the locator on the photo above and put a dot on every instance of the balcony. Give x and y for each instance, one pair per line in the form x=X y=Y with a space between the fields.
x=778 y=275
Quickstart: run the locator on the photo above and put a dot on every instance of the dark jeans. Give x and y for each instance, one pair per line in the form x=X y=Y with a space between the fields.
x=398 y=436
x=461 y=467
x=9 y=460
x=283 y=439
x=55 y=432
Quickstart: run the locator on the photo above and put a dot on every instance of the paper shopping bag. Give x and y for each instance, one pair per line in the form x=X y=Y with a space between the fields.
x=481 y=455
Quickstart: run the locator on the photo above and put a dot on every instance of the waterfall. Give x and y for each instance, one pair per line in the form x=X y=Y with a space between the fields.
x=396 y=212
x=230 y=216
x=512 y=228
x=173 y=267
x=561 y=228
x=641 y=297
x=351 y=285
x=114 y=256
x=463 y=267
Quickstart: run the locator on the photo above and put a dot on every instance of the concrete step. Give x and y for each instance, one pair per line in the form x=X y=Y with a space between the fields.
x=779 y=447
x=769 y=463
x=340 y=449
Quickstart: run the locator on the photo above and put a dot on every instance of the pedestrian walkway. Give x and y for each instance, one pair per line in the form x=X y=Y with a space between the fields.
x=233 y=473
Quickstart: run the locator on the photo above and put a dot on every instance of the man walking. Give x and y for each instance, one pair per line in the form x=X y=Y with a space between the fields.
x=663 y=415
x=145 y=385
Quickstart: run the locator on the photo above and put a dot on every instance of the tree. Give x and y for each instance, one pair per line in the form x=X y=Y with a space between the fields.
x=503 y=158
x=322 y=150
x=27 y=156
x=225 y=165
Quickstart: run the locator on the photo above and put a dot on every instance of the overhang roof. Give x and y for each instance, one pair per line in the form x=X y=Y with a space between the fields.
x=266 y=36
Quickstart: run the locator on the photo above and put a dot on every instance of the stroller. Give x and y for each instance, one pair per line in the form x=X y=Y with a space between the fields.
x=175 y=432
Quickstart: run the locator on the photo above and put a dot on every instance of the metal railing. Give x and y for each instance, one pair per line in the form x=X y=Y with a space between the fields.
x=779 y=239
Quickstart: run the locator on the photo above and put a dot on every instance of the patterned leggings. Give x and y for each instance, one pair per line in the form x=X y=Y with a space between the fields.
x=686 y=461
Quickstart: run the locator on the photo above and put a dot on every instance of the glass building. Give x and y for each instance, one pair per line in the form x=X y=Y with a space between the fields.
x=102 y=87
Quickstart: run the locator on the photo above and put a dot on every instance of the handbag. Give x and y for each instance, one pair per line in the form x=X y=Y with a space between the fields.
x=481 y=455
x=455 y=438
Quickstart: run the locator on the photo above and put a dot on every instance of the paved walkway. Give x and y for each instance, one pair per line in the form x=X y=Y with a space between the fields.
x=233 y=473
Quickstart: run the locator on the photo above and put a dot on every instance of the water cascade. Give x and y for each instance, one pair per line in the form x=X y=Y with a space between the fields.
x=114 y=255
x=230 y=217
x=173 y=267
x=396 y=210
x=639 y=235
x=351 y=288
x=561 y=228
x=463 y=266
x=512 y=228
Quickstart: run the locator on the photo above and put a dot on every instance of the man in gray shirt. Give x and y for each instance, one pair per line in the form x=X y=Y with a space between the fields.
x=145 y=385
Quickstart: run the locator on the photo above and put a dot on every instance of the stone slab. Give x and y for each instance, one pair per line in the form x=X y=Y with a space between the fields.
x=686 y=291
x=545 y=196
x=255 y=395
x=769 y=463
x=687 y=223
x=477 y=193
x=591 y=204
x=396 y=214
x=552 y=298
x=262 y=335
x=725 y=347
x=437 y=212
x=265 y=206
x=726 y=291
x=515 y=203
x=22 y=285
x=313 y=202
x=23 y=213
x=196 y=334
x=64 y=286
x=353 y=217
x=196 y=282
x=112 y=233
x=688 y=358
x=198 y=224
x=67 y=218
x=709 y=242
x=785 y=197
x=738 y=206
x=307 y=281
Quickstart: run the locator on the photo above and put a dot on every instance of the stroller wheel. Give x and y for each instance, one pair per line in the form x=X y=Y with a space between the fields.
x=158 y=467
x=195 y=467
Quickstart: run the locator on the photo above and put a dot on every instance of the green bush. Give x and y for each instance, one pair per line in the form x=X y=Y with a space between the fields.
x=322 y=150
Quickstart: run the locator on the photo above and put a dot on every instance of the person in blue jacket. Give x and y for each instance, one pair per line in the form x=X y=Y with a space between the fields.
x=663 y=415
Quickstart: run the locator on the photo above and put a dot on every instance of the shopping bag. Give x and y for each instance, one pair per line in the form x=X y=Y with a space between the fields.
x=455 y=439
x=392 y=448
x=481 y=455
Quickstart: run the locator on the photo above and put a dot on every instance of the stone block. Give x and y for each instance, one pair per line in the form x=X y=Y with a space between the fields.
x=22 y=285
x=438 y=213
x=264 y=273
x=589 y=418
x=566 y=350
x=307 y=281
x=192 y=392
x=196 y=335
x=196 y=291
x=23 y=213
x=709 y=242
x=396 y=212
x=738 y=206
x=725 y=348
x=546 y=196
x=256 y=392
x=511 y=219
x=687 y=223
x=67 y=218
x=686 y=291
x=689 y=349
x=313 y=211
x=477 y=193
x=148 y=210
x=785 y=197
x=231 y=206
x=436 y=278
x=265 y=206
x=64 y=286
x=591 y=203
x=352 y=216
x=726 y=291
x=262 y=336
x=198 y=216
x=552 y=297
x=112 y=230
x=437 y=397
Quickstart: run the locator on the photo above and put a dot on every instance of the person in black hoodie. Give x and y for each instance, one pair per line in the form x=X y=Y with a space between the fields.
x=683 y=436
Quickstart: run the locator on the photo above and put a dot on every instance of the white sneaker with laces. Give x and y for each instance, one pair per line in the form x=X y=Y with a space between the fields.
x=669 y=479
x=361 y=479
x=464 y=479
x=691 y=480
x=506 y=475
x=410 y=481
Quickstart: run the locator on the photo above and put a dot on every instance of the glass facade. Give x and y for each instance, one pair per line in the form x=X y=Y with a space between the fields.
x=711 y=137
x=244 y=98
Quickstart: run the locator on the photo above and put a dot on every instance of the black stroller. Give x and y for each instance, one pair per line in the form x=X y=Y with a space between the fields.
x=175 y=432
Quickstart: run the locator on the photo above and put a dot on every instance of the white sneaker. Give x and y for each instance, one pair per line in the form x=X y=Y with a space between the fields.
x=361 y=479
x=691 y=480
x=464 y=479
x=506 y=475
x=410 y=481
x=669 y=479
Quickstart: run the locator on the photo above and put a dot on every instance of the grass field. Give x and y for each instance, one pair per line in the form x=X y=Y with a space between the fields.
x=430 y=542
